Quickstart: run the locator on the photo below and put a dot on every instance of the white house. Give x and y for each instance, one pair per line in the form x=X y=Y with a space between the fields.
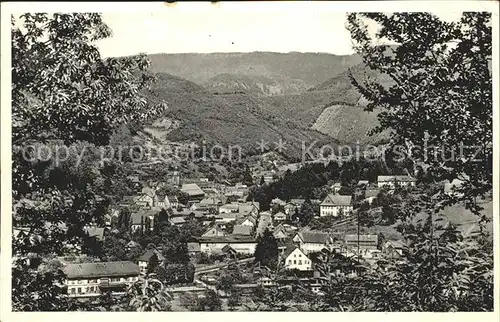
x=147 y=198
x=333 y=205
x=91 y=279
x=247 y=221
x=392 y=181
x=295 y=258
x=214 y=231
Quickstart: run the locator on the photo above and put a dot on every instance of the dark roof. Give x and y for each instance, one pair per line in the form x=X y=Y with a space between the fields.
x=227 y=249
x=337 y=200
x=101 y=269
x=242 y=230
x=147 y=255
x=315 y=237
x=290 y=249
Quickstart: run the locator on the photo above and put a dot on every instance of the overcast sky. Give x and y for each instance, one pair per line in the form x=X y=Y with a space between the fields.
x=223 y=29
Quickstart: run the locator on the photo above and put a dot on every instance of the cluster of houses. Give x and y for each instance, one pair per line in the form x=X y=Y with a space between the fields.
x=93 y=279
x=232 y=228
x=336 y=204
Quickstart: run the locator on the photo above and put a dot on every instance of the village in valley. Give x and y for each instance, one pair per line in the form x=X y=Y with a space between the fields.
x=224 y=242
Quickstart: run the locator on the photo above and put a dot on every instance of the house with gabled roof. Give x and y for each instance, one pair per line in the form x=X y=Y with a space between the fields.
x=366 y=243
x=312 y=241
x=193 y=191
x=177 y=221
x=248 y=208
x=280 y=232
x=147 y=198
x=229 y=251
x=247 y=221
x=294 y=258
x=393 y=249
x=292 y=205
x=143 y=261
x=215 y=230
x=334 y=205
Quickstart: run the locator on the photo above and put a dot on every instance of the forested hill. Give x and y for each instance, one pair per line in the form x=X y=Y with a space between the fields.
x=309 y=68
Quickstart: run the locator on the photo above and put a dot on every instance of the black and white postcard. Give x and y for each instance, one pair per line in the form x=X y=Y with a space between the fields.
x=240 y=157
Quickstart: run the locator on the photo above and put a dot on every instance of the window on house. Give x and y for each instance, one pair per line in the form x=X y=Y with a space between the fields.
x=79 y=291
x=294 y=261
x=72 y=290
x=300 y=262
x=289 y=261
x=80 y=281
